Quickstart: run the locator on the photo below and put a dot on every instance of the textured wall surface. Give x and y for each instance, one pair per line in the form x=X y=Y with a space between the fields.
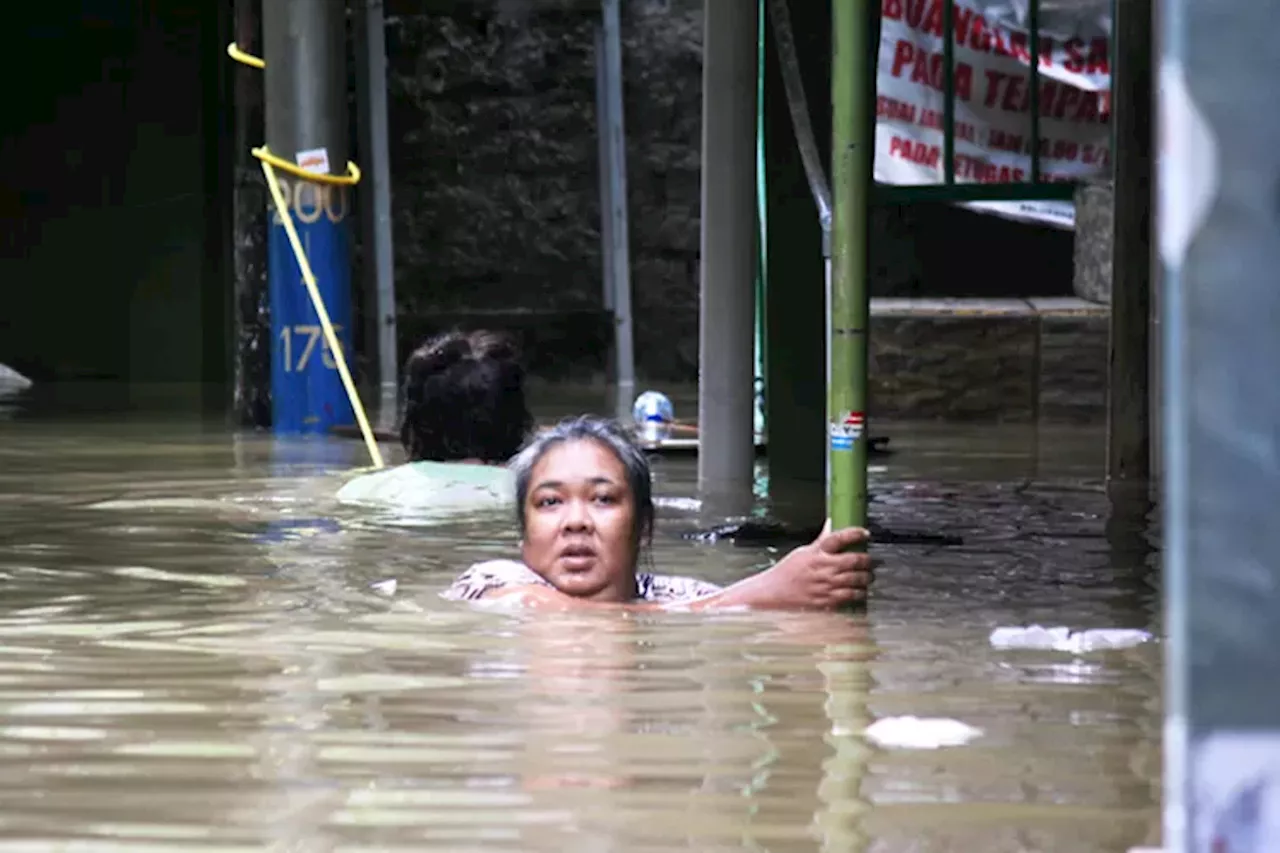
x=496 y=190
x=1094 y=236
x=496 y=200
x=1013 y=360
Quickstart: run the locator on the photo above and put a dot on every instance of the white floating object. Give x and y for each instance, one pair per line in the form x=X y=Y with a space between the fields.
x=386 y=587
x=11 y=381
x=920 y=732
x=1061 y=639
x=683 y=504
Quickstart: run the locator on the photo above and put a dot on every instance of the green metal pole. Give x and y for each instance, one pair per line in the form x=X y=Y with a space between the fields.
x=852 y=128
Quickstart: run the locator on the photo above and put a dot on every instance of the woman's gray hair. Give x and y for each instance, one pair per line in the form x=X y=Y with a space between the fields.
x=610 y=435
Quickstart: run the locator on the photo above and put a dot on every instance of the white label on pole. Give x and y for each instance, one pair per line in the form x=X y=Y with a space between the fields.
x=1235 y=798
x=314 y=160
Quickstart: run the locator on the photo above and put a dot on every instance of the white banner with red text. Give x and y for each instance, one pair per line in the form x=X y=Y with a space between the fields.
x=992 y=84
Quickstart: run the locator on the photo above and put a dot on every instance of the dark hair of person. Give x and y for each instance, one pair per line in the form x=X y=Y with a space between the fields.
x=464 y=399
x=609 y=435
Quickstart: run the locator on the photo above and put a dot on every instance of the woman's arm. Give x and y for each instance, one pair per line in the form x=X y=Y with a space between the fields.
x=822 y=575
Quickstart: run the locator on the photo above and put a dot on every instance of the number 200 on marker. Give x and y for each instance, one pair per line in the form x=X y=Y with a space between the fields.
x=307 y=201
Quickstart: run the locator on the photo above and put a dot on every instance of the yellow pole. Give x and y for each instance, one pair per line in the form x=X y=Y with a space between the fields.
x=309 y=279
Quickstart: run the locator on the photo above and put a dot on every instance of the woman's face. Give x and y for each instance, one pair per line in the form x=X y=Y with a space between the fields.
x=580 y=523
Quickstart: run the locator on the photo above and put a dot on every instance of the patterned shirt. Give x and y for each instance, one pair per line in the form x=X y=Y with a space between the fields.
x=472 y=584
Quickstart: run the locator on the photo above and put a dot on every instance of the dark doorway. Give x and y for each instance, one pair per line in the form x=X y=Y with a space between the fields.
x=112 y=205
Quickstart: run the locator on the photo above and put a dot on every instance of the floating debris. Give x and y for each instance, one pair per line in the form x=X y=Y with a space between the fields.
x=1062 y=639
x=920 y=732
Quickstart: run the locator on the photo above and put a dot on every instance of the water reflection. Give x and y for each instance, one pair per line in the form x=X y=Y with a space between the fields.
x=846 y=673
x=192 y=657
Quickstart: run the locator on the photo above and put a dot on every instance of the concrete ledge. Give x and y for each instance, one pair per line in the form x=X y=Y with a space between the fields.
x=1013 y=360
x=1072 y=361
x=951 y=308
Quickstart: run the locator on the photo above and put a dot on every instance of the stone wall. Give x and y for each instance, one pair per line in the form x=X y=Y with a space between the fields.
x=1017 y=360
x=1095 y=208
x=494 y=157
x=496 y=201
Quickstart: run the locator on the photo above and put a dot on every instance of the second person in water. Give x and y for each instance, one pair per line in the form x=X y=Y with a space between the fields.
x=465 y=416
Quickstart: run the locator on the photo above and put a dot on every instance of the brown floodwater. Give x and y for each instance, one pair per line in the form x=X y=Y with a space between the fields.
x=193 y=656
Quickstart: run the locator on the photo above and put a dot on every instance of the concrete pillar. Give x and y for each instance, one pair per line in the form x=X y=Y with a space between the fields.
x=1128 y=386
x=726 y=324
x=306 y=122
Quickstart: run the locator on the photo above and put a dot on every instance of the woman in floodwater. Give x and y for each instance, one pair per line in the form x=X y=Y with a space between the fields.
x=465 y=416
x=585 y=509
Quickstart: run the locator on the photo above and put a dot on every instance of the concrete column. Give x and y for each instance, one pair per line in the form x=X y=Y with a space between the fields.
x=1128 y=385
x=306 y=122
x=726 y=324
x=1219 y=225
x=306 y=78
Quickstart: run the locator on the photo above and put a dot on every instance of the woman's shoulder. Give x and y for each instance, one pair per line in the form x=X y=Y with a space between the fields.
x=672 y=588
x=382 y=483
x=491 y=574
